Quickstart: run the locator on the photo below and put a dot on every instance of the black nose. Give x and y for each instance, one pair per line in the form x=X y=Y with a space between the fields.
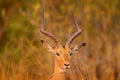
x=66 y=64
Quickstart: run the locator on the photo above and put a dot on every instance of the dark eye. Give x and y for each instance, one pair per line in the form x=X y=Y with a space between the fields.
x=58 y=54
x=70 y=54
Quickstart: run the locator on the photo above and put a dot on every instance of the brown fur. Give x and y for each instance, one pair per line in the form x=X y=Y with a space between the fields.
x=66 y=55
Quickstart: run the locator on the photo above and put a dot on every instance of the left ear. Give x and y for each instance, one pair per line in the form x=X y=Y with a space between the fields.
x=47 y=46
x=76 y=48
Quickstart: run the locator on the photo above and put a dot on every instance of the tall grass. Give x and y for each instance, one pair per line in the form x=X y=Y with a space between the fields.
x=22 y=56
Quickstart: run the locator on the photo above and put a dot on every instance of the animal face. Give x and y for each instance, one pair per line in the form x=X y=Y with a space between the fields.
x=62 y=54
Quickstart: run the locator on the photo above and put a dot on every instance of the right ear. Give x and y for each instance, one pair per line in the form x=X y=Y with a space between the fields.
x=77 y=48
x=47 y=46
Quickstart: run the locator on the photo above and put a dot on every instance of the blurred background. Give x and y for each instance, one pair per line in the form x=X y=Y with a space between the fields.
x=22 y=56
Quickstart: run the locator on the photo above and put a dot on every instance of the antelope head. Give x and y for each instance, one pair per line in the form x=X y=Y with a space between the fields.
x=62 y=53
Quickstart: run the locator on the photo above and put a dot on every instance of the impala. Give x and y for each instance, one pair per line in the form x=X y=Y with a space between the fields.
x=63 y=55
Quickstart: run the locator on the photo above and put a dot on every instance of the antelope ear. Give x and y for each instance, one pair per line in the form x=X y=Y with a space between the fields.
x=47 y=46
x=76 y=48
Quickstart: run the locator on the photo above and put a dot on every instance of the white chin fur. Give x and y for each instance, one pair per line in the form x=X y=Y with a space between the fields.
x=64 y=69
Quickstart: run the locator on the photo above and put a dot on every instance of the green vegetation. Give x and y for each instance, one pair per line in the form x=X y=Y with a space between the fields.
x=22 y=56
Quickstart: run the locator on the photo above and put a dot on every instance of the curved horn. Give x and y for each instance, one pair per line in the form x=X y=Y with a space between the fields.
x=47 y=33
x=75 y=34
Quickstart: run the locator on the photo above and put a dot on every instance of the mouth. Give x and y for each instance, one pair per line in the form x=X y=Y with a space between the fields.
x=67 y=67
